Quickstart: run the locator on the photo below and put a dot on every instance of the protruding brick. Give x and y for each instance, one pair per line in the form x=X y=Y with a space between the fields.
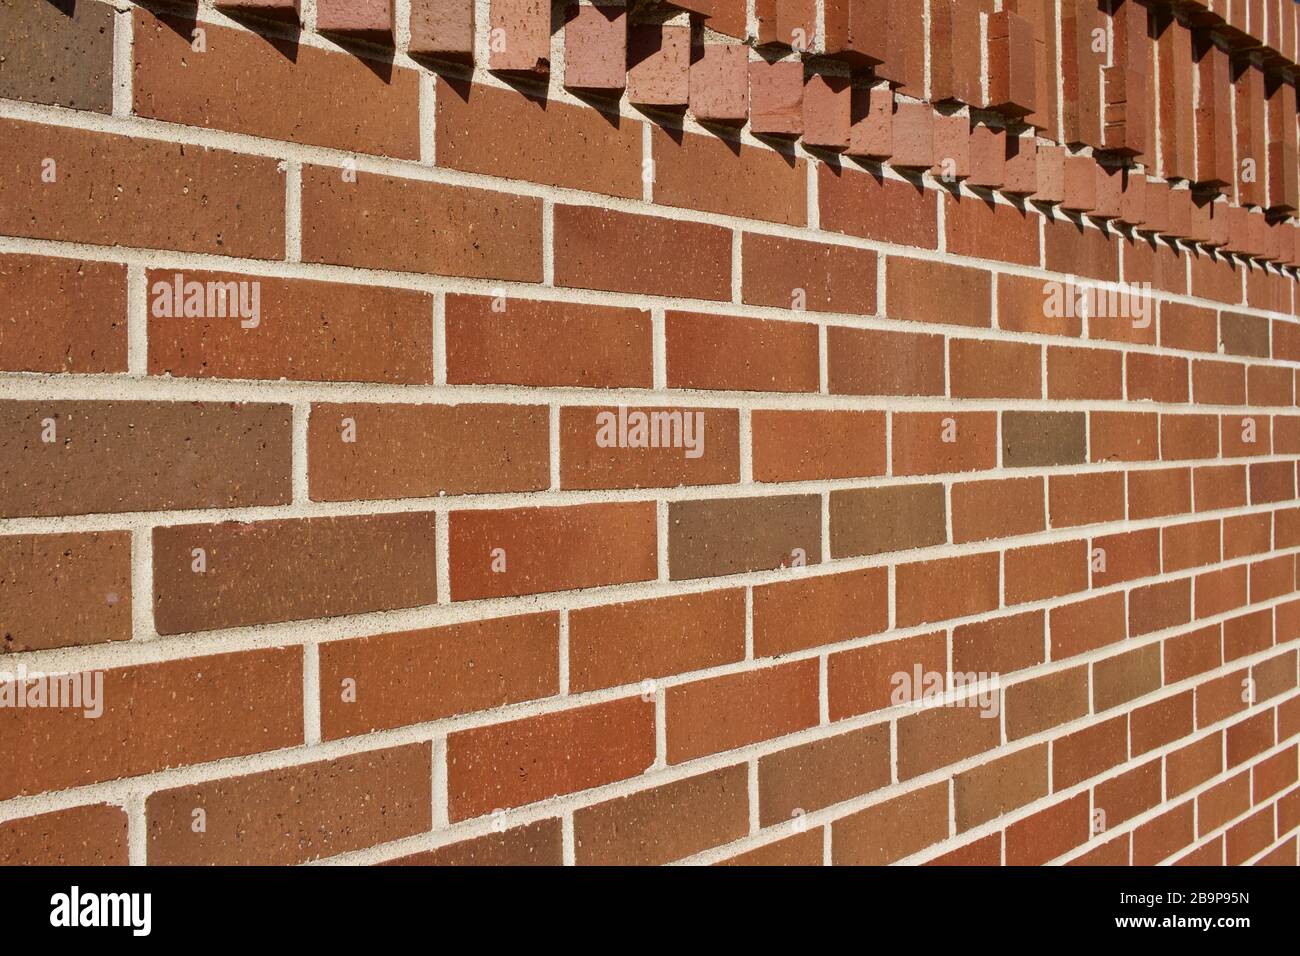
x=659 y=65
x=595 y=49
x=1011 y=84
x=913 y=134
x=519 y=40
x=827 y=116
x=856 y=31
x=954 y=48
x=988 y=154
x=776 y=92
x=871 y=132
x=719 y=86
x=363 y=19
x=442 y=29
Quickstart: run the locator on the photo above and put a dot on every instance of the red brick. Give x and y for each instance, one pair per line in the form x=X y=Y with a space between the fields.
x=827 y=112
x=625 y=643
x=979 y=227
x=719 y=84
x=1041 y=703
x=723 y=713
x=141 y=456
x=506 y=341
x=1049 y=833
x=998 y=508
x=790 y=273
x=1089 y=752
x=871 y=362
x=550 y=549
x=920 y=448
x=328 y=566
x=1079 y=373
x=1089 y=498
x=808 y=445
x=776 y=97
x=62 y=315
x=742 y=354
x=296 y=814
x=864 y=679
x=595 y=49
x=658 y=68
x=302 y=330
x=224 y=87
x=1045 y=570
x=822 y=773
x=1088 y=624
x=442 y=29
x=523 y=28
x=983 y=368
x=380 y=222
x=534 y=844
x=621 y=252
x=592 y=454
x=734 y=535
x=156 y=716
x=945 y=588
x=1000 y=645
x=163 y=195
x=793 y=615
x=706 y=173
x=999 y=786
x=508 y=765
x=413 y=677
x=666 y=823
x=506 y=133
x=890 y=518
x=82 y=836
x=61 y=590
x=892 y=830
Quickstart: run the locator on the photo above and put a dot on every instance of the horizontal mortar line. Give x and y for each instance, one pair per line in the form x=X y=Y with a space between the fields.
x=413 y=169
x=158 y=648
x=126 y=788
x=566 y=497
x=169 y=260
x=304 y=754
x=128 y=386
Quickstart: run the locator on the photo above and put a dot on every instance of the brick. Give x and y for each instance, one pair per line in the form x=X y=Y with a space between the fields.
x=1249 y=738
x=1117 y=680
x=931 y=443
x=802 y=849
x=723 y=713
x=1247 y=634
x=871 y=129
x=1046 y=570
x=1126 y=84
x=626 y=643
x=982 y=368
x=1048 y=833
x=1218 y=383
x=1088 y=624
x=293 y=815
x=534 y=844
x=954 y=45
x=719 y=84
x=1091 y=498
x=912 y=136
x=808 y=445
x=104 y=456
x=1127 y=556
x=62 y=590
x=1159 y=606
x=1072 y=247
x=905 y=62
x=287 y=329
x=1131 y=793
x=856 y=32
x=442 y=29
x=892 y=830
x=382 y=222
x=482 y=129
x=894 y=518
x=665 y=823
x=1113 y=853
x=1192 y=765
x=595 y=49
x=1222 y=802
x=940 y=735
x=1000 y=645
x=370 y=20
x=1220 y=591
x=534 y=550
x=872 y=362
x=1249 y=837
x=922 y=291
x=999 y=786
x=1190 y=545
x=1035 y=439
x=63 y=315
x=164 y=195
x=564 y=752
x=1089 y=752
x=998 y=508
x=1220 y=698
x=222 y=88
x=776 y=97
x=1195 y=652
x=621 y=252
x=1123 y=436
x=1020 y=169
x=802 y=779
x=1081 y=73
x=1243 y=334
x=790 y=273
x=508 y=341
x=155 y=716
x=523 y=28
x=330 y=566
x=733 y=535
x=1156 y=492
x=1081 y=373
x=1221 y=487
x=827 y=112
x=978 y=227
x=645 y=447
x=413 y=677
x=865 y=679
x=1212 y=113
x=945 y=588
x=1188 y=436
x=82 y=836
x=704 y=172
x=953 y=144
x=658 y=65
x=1038 y=704
x=1163 y=722
x=735 y=353
x=59 y=55
x=1012 y=86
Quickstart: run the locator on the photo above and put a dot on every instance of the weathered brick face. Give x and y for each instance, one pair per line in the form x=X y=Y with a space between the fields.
x=555 y=433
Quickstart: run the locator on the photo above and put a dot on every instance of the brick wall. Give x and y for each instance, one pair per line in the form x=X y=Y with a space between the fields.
x=367 y=562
